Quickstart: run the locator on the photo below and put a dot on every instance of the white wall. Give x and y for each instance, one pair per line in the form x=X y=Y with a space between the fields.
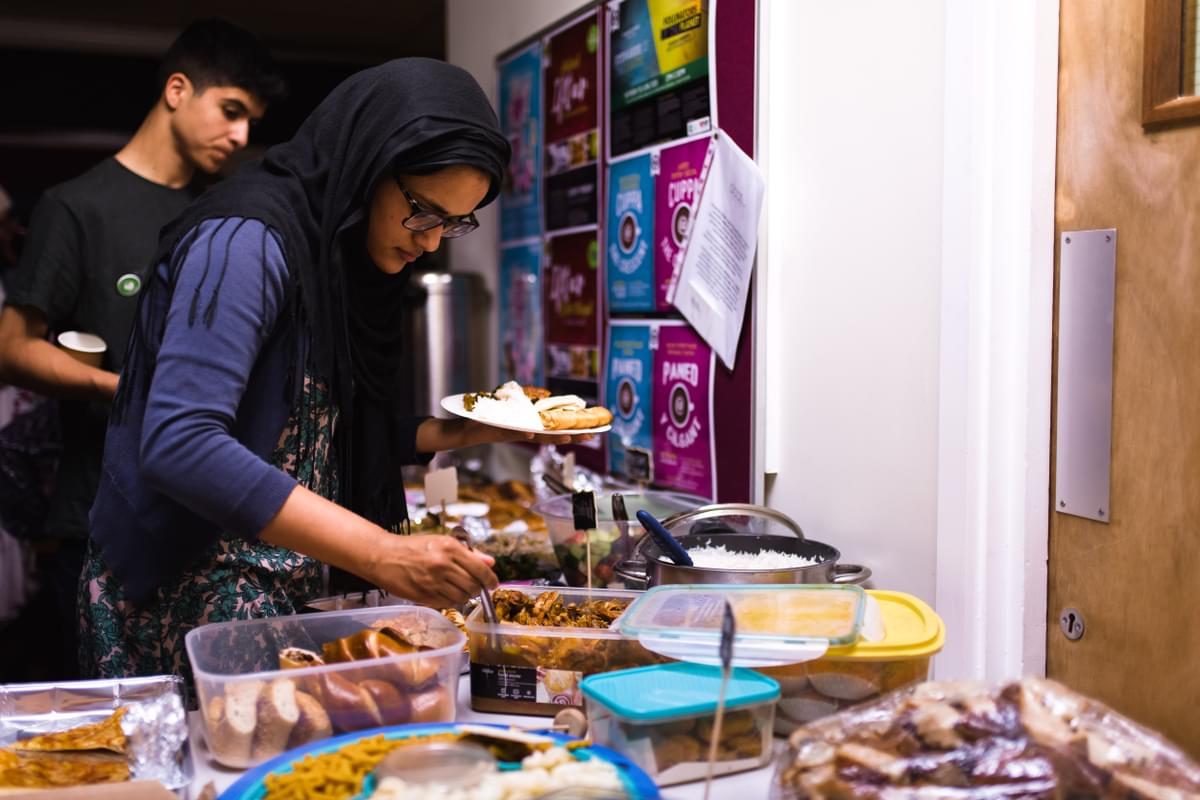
x=851 y=132
x=476 y=32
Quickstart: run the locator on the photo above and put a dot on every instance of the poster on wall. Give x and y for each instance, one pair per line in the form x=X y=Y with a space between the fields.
x=571 y=121
x=682 y=400
x=676 y=189
x=520 y=120
x=628 y=390
x=520 y=313
x=630 y=235
x=570 y=287
x=658 y=72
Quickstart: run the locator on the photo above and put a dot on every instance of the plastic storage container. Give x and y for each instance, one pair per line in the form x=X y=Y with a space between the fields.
x=662 y=718
x=537 y=669
x=776 y=623
x=254 y=710
x=611 y=542
x=858 y=672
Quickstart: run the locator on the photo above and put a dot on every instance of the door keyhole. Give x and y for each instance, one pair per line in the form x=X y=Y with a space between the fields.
x=1071 y=622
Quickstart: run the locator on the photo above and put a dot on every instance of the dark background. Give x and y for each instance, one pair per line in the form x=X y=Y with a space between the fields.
x=78 y=77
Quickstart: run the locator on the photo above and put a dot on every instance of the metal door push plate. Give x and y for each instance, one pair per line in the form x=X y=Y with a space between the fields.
x=1083 y=441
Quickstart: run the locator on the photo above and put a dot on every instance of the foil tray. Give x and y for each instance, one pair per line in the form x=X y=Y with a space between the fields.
x=30 y=709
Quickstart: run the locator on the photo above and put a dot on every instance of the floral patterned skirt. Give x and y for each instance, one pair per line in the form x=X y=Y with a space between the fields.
x=236 y=579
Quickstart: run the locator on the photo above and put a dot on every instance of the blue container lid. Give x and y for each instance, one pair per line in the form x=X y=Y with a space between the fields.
x=664 y=691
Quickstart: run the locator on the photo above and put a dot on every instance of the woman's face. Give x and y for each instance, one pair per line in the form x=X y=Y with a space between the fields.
x=453 y=191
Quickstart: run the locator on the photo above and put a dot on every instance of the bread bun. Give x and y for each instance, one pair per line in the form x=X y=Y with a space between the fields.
x=432 y=705
x=394 y=706
x=233 y=720
x=350 y=707
x=277 y=715
x=313 y=723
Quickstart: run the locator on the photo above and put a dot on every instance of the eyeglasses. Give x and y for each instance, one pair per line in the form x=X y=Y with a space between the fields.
x=423 y=218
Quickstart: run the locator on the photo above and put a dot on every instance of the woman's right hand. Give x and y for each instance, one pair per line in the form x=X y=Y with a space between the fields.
x=433 y=570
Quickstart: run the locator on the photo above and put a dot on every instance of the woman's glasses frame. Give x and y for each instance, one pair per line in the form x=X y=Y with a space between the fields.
x=423 y=218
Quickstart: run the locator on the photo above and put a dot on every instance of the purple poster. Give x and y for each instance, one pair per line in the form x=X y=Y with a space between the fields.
x=675 y=192
x=682 y=403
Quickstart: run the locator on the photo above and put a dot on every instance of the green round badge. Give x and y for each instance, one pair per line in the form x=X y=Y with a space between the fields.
x=593 y=254
x=128 y=285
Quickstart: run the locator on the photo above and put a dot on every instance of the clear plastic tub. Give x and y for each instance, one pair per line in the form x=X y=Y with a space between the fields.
x=611 y=541
x=537 y=669
x=254 y=710
x=662 y=718
x=863 y=670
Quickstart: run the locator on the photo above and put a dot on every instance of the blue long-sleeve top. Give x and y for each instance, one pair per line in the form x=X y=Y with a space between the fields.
x=188 y=462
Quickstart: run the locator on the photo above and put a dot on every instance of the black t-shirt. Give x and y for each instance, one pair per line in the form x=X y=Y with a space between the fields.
x=89 y=248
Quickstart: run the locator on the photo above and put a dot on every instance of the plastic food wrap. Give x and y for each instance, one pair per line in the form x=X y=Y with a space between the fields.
x=1031 y=739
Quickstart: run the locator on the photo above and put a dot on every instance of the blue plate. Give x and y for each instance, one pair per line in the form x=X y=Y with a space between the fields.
x=251 y=785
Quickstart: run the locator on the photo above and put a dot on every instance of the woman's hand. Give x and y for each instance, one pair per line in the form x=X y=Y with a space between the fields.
x=434 y=570
x=436 y=435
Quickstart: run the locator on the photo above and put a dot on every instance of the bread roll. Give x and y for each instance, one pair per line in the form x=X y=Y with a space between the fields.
x=313 y=723
x=394 y=706
x=277 y=715
x=350 y=707
x=432 y=705
x=233 y=722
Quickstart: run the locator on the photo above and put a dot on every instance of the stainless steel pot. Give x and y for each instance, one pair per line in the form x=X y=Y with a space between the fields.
x=741 y=528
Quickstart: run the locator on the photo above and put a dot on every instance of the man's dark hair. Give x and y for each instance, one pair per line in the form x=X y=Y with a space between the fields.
x=214 y=52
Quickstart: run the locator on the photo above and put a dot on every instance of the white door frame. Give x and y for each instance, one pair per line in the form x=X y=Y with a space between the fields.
x=996 y=328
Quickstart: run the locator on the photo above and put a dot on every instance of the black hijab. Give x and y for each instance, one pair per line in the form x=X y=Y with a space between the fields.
x=413 y=116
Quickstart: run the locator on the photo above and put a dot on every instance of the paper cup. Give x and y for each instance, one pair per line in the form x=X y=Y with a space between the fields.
x=87 y=347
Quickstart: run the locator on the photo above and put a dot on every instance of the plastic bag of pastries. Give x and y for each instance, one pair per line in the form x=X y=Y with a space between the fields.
x=1032 y=738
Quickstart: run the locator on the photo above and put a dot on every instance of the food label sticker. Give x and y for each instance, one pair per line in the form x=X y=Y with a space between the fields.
x=559 y=686
x=441 y=487
x=504 y=683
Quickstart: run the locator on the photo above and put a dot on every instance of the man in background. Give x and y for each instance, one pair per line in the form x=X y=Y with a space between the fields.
x=83 y=264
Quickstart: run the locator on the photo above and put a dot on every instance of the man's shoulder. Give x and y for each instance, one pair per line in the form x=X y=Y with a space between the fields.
x=86 y=188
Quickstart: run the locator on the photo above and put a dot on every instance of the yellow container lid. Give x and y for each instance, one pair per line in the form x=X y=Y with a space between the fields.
x=911 y=630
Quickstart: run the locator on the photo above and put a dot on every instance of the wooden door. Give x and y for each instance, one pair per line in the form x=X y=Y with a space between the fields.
x=1136 y=579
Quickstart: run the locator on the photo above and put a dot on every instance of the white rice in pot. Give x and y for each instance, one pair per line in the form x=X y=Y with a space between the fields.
x=721 y=557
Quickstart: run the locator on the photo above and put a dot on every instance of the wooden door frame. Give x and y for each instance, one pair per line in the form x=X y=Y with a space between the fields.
x=996 y=335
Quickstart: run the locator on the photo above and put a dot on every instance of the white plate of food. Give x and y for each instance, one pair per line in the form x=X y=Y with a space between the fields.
x=529 y=410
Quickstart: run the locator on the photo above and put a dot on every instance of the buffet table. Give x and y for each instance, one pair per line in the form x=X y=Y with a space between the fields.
x=744 y=784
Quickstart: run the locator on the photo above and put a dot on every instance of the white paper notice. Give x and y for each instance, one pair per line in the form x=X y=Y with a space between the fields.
x=712 y=276
x=441 y=487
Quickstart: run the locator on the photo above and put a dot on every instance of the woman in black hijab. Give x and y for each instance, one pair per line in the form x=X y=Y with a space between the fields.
x=255 y=433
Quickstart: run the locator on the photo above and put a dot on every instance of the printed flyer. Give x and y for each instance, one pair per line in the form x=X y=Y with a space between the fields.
x=520 y=105
x=658 y=72
x=630 y=265
x=628 y=391
x=571 y=291
x=676 y=190
x=572 y=110
x=520 y=313
x=682 y=402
